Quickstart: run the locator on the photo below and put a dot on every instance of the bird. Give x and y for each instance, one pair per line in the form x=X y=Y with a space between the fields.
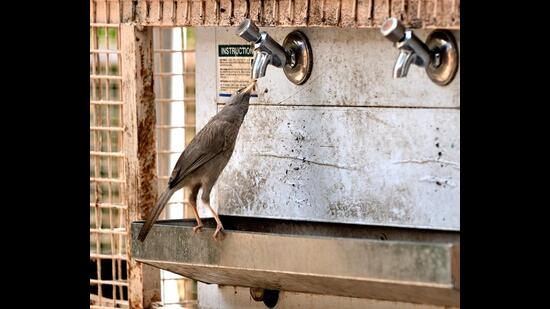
x=203 y=160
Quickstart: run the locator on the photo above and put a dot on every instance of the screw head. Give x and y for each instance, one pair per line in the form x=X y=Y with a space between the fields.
x=257 y=294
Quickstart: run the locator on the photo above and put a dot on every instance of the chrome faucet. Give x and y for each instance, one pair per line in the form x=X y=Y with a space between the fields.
x=294 y=57
x=268 y=51
x=439 y=56
x=411 y=48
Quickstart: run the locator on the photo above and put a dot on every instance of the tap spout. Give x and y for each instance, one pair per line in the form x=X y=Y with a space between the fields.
x=404 y=60
x=261 y=60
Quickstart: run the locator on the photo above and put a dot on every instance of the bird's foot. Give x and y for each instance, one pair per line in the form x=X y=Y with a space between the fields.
x=197 y=228
x=219 y=228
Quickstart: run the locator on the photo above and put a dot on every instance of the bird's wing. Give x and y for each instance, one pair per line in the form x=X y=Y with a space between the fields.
x=208 y=143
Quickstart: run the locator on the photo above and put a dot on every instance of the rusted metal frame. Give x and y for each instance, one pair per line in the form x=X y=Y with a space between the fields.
x=139 y=147
x=292 y=13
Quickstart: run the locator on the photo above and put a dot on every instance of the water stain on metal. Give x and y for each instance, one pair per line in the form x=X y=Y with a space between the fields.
x=371 y=209
x=304 y=160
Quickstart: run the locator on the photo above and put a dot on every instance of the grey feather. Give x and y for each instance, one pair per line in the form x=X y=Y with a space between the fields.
x=153 y=216
x=205 y=157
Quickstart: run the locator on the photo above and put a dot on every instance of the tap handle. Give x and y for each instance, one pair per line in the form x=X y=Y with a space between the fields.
x=249 y=31
x=393 y=29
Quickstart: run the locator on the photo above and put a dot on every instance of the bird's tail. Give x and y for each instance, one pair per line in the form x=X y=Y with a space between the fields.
x=153 y=216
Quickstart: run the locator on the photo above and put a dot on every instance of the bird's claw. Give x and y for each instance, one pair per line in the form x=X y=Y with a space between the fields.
x=197 y=228
x=219 y=229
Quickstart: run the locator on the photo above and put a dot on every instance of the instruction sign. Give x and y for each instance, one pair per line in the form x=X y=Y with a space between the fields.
x=234 y=68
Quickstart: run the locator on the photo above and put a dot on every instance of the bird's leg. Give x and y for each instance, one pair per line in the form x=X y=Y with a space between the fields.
x=219 y=226
x=193 y=202
x=199 y=226
x=206 y=200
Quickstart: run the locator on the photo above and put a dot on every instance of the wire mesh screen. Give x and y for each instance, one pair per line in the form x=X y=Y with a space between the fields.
x=174 y=81
x=108 y=230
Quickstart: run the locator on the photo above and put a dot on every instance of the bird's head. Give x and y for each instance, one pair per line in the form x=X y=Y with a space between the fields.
x=242 y=95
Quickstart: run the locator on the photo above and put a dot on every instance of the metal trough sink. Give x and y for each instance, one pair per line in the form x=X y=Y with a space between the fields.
x=396 y=264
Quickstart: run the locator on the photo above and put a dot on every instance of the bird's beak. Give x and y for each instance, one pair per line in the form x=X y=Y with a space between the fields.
x=248 y=88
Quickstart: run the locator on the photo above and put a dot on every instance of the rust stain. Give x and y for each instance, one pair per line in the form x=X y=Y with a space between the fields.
x=146 y=119
x=312 y=13
x=135 y=276
x=147 y=166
